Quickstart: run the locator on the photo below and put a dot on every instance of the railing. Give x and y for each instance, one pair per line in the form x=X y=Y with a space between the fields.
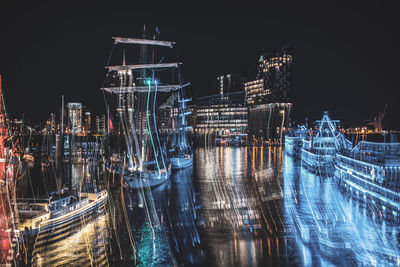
x=364 y=169
x=369 y=186
x=315 y=158
x=377 y=148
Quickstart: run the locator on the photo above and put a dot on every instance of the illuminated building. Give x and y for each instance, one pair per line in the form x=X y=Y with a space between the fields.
x=229 y=83
x=75 y=118
x=269 y=96
x=223 y=115
x=166 y=116
x=97 y=124
x=101 y=126
x=88 y=122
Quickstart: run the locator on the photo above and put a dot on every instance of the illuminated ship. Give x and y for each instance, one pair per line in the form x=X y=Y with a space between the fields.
x=60 y=214
x=372 y=170
x=318 y=154
x=137 y=87
x=181 y=153
x=294 y=141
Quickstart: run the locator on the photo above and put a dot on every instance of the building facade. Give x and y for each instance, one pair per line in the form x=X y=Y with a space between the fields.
x=88 y=122
x=74 y=118
x=221 y=115
x=269 y=96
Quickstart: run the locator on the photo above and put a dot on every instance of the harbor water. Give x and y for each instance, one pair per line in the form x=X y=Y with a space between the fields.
x=237 y=206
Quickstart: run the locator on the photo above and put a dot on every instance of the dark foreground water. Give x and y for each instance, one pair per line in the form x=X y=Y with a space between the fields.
x=234 y=207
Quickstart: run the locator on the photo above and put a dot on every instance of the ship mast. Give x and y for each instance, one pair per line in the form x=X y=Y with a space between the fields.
x=183 y=124
x=142 y=140
x=3 y=126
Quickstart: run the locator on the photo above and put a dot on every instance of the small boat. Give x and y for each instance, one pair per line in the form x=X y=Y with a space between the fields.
x=181 y=154
x=150 y=178
x=182 y=161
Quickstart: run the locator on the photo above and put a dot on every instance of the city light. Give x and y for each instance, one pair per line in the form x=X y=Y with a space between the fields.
x=275 y=143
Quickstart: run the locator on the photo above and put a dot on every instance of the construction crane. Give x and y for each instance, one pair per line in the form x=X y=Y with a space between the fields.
x=378 y=120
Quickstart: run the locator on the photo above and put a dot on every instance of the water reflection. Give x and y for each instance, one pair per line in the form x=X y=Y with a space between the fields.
x=241 y=194
x=235 y=207
x=333 y=228
x=86 y=243
x=87 y=247
x=163 y=222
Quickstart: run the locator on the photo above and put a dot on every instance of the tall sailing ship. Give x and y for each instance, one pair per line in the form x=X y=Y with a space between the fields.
x=137 y=87
x=181 y=153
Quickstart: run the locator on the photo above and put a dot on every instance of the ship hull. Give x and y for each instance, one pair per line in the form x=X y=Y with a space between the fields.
x=181 y=162
x=364 y=189
x=58 y=227
x=319 y=164
x=137 y=180
x=293 y=146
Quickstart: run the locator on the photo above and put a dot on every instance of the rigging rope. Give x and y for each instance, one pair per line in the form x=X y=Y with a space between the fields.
x=104 y=81
x=148 y=126
x=155 y=125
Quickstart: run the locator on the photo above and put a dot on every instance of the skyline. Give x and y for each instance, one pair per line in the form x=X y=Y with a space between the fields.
x=338 y=52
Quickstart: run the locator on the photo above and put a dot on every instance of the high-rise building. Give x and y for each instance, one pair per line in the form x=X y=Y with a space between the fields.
x=75 y=118
x=88 y=122
x=103 y=125
x=98 y=124
x=269 y=96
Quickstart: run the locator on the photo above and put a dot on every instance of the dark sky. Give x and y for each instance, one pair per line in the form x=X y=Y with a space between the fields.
x=346 y=55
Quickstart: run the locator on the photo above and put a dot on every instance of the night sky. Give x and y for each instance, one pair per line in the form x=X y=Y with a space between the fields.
x=346 y=55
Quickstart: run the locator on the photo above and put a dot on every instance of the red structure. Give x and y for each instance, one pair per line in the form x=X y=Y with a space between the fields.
x=6 y=183
x=3 y=136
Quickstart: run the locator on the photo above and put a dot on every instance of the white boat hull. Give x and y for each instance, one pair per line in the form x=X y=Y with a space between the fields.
x=180 y=163
x=138 y=180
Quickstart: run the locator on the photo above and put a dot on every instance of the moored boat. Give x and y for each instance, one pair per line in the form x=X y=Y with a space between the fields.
x=181 y=154
x=63 y=211
x=318 y=154
x=294 y=141
x=183 y=161
x=372 y=170
x=148 y=178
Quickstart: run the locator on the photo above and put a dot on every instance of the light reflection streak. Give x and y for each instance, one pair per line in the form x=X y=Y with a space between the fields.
x=169 y=210
x=249 y=202
x=350 y=230
x=241 y=204
x=87 y=247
